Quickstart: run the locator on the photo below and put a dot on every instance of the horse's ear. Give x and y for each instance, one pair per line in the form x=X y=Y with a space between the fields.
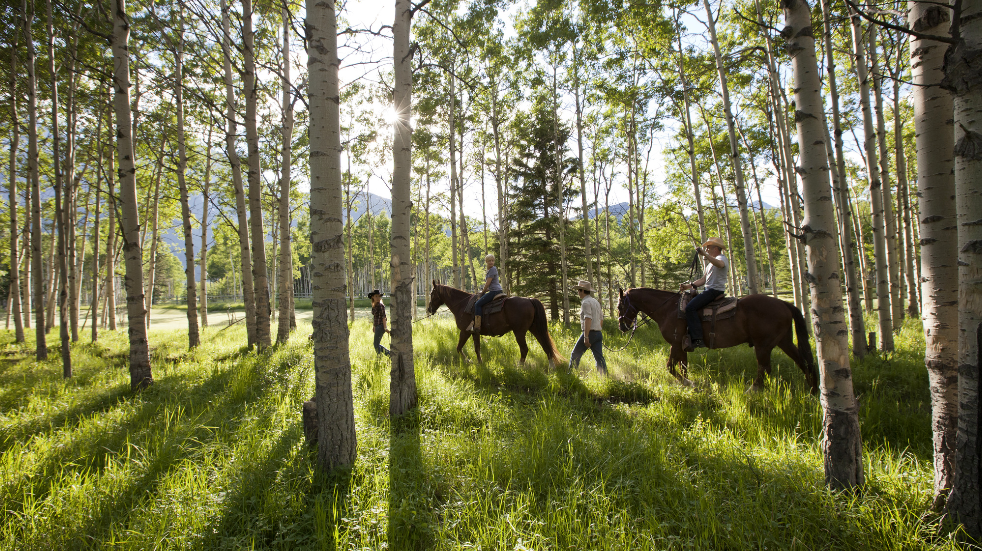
x=434 y=283
x=620 y=291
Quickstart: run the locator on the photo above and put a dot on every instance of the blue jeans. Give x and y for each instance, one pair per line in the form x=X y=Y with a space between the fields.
x=488 y=297
x=692 y=311
x=596 y=345
x=379 y=349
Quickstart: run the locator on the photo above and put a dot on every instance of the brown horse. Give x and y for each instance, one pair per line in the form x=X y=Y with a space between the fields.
x=518 y=314
x=761 y=321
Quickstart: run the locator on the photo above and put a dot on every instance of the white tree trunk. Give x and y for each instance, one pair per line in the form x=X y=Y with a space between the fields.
x=333 y=400
x=883 y=301
x=140 y=373
x=402 y=384
x=963 y=66
x=33 y=173
x=182 y=163
x=286 y=251
x=15 y=302
x=842 y=441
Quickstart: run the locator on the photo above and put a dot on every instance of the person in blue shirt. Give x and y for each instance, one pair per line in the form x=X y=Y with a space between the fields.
x=492 y=287
x=715 y=282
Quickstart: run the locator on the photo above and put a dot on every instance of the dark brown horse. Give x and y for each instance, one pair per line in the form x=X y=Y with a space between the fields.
x=761 y=321
x=518 y=314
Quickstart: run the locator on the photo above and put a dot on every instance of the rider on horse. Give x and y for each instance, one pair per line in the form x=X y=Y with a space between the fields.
x=715 y=281
x=492 y=287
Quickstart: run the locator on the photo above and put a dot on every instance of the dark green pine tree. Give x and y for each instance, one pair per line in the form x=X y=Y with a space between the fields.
x=535 y=259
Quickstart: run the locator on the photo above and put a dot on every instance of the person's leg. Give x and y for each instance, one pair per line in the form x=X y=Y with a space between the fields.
x=692 y=312
x=379 y=349
x=597 y=346
x=577 y=353
x=488 y=297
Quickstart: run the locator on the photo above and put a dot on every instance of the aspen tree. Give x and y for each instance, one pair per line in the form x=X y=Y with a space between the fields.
x=883 y=300
x=15 y=302
x=140 y=372
x=286 y=251
x=333 y=404
x=245 y=255
x=934 y=143
x=842 y=442
x=260 y=274
x=741 y=194
x=32 y=167
x=963 y=77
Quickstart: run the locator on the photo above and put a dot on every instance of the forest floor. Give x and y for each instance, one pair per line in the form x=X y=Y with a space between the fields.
x=212 y=456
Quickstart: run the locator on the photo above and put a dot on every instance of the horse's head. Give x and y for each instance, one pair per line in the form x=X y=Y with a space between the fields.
x=627 y=312
x=436 y=299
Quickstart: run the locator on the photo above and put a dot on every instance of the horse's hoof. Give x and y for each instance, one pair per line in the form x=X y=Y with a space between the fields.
x=685 y=381
x=754 y=388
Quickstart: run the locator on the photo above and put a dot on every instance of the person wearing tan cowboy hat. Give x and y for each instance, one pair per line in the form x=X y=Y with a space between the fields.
x=591 y=321
x=715 y=281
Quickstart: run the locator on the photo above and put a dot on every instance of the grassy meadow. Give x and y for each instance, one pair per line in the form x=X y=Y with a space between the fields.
x=496 y=456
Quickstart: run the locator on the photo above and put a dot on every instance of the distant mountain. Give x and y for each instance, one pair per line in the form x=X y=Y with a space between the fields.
x=618 y=210
x=173 y=235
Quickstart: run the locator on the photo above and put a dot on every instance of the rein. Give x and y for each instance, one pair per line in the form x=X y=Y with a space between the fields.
x=634 y=324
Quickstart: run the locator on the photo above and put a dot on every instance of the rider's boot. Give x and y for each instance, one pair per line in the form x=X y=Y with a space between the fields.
x=477 y=325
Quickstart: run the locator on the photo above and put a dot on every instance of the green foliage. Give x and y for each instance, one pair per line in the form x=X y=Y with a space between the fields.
x=212 y=456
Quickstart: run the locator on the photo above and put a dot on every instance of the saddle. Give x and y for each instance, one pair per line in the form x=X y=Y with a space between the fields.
x=722 y=308
x=493 y=307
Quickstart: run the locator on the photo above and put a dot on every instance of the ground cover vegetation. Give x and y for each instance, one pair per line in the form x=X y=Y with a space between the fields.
x=213 y=455
x=251 y=168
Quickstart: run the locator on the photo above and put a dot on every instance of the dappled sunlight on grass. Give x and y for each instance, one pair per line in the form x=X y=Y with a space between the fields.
x=495 y=456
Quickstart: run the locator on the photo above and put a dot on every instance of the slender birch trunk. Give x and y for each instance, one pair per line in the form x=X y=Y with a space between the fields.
x=286 y=252
x=402 y=386
x=842 y=442
x=245 y=256
x=205 y=198
x=94 y=304
x=457 y=279
x=194 y=338
x=840 y=189
x=333 y=404
x=889 y=220
x=260 y=273
x=579 y=143
x=502 y=190
x=15 y=302
x=140 y=372
x=903 y=211
x=963 y=77
x=32 y=167
x=741 y=194
x=884 y=312
x=560 y=210
x=111 y=240
x=59 y=229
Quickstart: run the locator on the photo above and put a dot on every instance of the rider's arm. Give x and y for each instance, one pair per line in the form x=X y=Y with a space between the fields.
x=587 y=322
x=712 y=259
x=487 y=285
x=697 y=283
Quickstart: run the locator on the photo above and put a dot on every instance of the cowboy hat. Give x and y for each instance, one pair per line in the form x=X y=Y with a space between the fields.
x=584 y=284
x=715 y=242
x=374 y=292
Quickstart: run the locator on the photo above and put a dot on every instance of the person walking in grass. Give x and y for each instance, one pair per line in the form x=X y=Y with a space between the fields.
x=379 y=321
x=591 y=321
x=715 y=282
x=492 y=287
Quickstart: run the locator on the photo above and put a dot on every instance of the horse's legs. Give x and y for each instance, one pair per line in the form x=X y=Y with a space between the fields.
x=763 y=366
x=477 y=348
x=679 y=356
x=464 y=335
x=523 y=346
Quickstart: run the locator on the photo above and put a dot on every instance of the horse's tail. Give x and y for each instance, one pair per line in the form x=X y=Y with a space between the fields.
x=804 y=346
x=540 y=330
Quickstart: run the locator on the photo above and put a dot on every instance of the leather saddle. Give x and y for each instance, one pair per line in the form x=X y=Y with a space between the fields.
x=493 y=307
x=723 y=307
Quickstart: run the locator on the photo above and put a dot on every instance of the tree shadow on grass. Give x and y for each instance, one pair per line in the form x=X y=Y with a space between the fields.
x=412 y=515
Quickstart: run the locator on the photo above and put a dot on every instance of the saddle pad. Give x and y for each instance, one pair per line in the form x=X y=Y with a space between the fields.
x=495 y=306
x=725 y=307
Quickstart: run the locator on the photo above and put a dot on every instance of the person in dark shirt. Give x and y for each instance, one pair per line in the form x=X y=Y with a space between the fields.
x=379 y=321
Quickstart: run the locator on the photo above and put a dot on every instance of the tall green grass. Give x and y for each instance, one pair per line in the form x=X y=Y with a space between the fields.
x=495 y=457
